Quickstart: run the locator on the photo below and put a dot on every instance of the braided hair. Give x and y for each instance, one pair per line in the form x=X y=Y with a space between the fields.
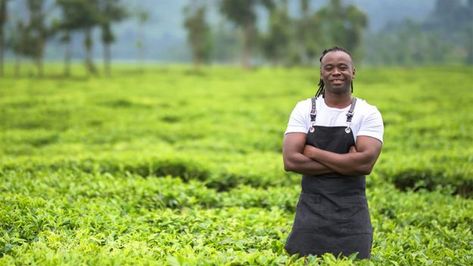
x=321 y=90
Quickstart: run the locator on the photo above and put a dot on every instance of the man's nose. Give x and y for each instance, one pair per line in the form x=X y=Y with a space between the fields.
x=336 y=71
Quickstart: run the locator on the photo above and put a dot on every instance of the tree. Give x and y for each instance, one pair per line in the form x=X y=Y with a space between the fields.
x=225 y=46
x=110 y=11
x=3 y=20
x=143 y=17
x=307 y=37
x=341 y=25
x=28 y=38
x=198 y=32
x=81 y=15
x=277 y=41
x=452 y=21
x=243 y=14
x=66 y=26
x=37 y=32
x=65 y=38
x=88 y=20
x=18 y=42
x=407 y=43
x=306 y=34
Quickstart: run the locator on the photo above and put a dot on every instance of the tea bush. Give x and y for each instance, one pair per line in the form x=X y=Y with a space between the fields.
x=183 y=167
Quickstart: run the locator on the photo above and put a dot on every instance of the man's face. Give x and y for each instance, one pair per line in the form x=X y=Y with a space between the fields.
x=337 y=72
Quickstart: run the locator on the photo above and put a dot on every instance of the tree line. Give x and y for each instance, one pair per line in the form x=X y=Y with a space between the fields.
x=28 y=36
x=444 y=36
x=287 y=40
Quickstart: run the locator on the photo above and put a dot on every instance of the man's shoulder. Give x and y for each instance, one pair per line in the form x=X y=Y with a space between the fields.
x=366 y=107
x=305 y=101
x=304 y=104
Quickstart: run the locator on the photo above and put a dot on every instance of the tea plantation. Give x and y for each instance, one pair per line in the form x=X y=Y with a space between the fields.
x=183 y=167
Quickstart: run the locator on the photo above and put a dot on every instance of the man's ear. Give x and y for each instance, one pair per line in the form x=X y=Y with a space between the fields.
x=353 y=73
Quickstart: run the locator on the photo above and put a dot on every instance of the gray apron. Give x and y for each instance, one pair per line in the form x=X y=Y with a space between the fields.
x=332 y=213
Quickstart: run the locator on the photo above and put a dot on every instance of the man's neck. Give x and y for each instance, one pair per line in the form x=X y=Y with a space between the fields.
x=337 y=100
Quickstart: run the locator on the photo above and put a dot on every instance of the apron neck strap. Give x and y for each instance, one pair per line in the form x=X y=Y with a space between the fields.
x=313 y=112
x=352 y=108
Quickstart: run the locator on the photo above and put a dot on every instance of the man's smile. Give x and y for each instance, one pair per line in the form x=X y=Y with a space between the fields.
x=336 y=81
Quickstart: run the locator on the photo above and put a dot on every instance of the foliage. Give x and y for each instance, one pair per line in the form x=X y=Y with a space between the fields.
x=198 y=32
x=275 y=44
x=295 y=41
x=243 y=14
x=81 y=15
x=173 y=166
x=452 y=21
x=444 y=36
x=29 y=37
x=111 y=11
x=3 y=19
x=341 y=25
x=308 y=37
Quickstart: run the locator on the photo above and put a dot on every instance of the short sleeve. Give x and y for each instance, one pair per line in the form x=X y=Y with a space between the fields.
x=299 y=119
x=372 y=125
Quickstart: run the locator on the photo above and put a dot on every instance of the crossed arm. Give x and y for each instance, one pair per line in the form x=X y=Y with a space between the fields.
x=308 y=160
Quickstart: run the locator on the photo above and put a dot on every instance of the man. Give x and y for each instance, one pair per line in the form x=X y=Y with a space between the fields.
x=333 y=140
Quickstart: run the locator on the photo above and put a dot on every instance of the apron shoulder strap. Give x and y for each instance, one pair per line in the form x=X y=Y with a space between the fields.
x=313 y=111
x=351 y=111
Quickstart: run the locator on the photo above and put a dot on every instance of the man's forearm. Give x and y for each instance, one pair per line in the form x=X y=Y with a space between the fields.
x=302 y=164
x=353 y=163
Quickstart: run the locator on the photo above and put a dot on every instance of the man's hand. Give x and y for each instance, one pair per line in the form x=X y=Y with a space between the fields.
x=352 y=149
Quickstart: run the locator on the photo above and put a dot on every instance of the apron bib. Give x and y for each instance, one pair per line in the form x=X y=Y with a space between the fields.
x=332 y=213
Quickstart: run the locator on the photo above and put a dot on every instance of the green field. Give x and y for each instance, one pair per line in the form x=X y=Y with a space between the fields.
x=184 y=167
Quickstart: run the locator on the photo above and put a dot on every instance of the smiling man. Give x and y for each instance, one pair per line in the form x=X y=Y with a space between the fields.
x=333 y=140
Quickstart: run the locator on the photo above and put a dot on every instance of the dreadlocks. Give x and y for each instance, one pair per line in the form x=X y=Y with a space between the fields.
x=321 y=90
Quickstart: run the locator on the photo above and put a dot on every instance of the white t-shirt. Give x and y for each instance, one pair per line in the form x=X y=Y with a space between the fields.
x=366 y=121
